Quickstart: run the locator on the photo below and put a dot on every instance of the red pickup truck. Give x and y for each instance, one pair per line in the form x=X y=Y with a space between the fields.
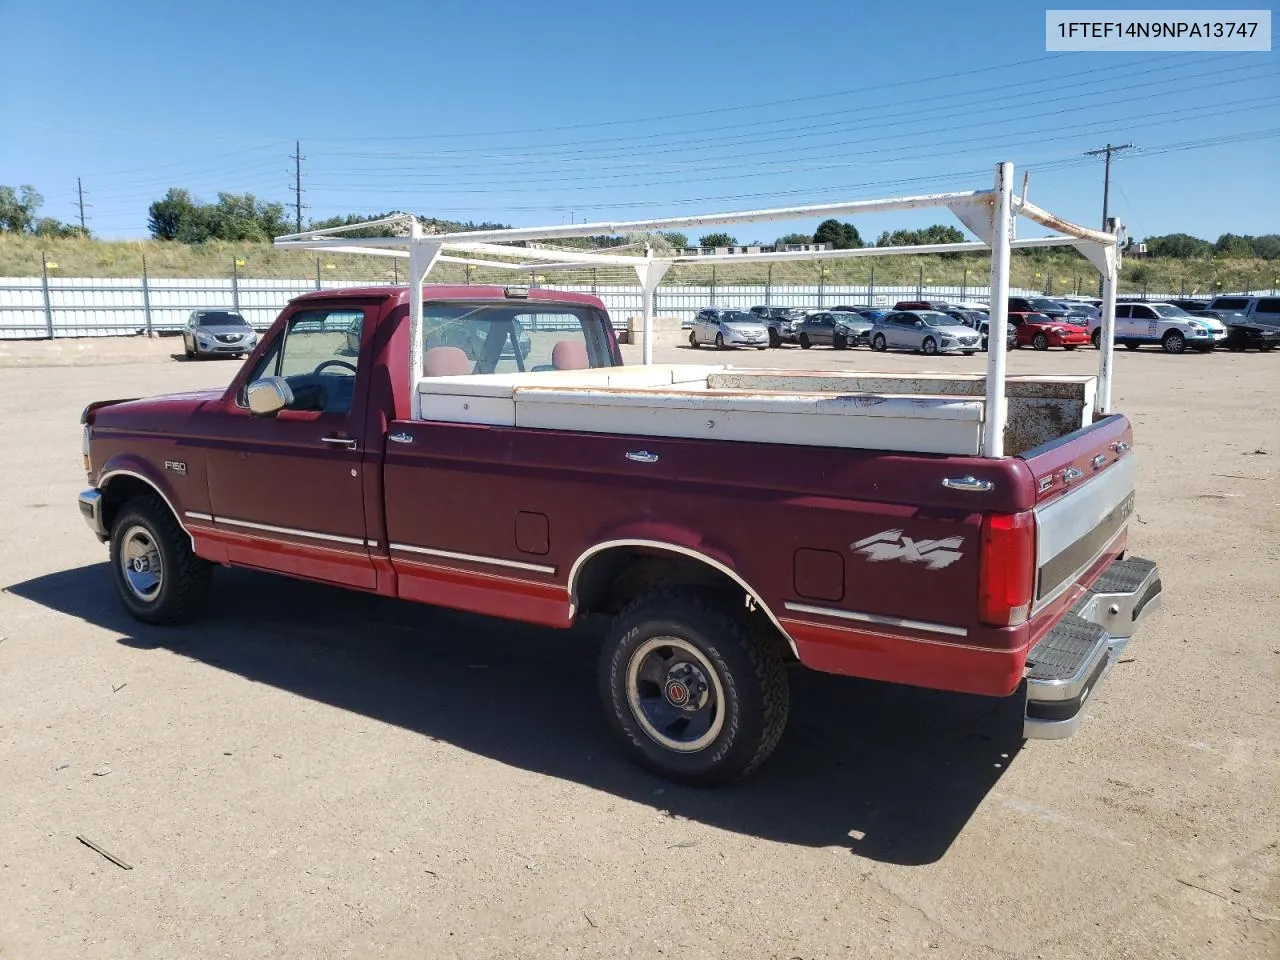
x=732 y=522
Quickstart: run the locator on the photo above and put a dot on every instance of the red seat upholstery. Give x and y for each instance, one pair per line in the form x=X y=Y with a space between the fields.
x=570 y=355
x=446 y=362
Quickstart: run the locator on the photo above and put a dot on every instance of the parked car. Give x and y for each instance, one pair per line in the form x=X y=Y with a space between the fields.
x=827 y=328
x=939 y=306
x=1243 y=333
x=880 y=545
x=222 y=333
x=979 y=320
x=1080 y=313
x=780 y=321
x=1191 y=306
x=1265 y=310
x=1041 y=331
x=1161 y=324
x=927 y=331
x=728 y=328
x=1050 y=308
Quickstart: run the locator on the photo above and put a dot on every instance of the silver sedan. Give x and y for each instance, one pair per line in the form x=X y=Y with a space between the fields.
x=217 y=333
x=926 y=331
x=728 y=328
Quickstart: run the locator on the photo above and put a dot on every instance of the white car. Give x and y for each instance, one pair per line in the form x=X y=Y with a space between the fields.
x=1161 y=324
x=728 y=328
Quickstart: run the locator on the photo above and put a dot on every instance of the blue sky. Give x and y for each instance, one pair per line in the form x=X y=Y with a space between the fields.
x=534 y=113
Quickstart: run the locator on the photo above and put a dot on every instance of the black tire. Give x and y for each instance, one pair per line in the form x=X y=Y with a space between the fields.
x=968 y=353
x=746 y=670
x=839 y=342
x=1040 y=342
x=1129 y=345
x=879 y=343
x=1173 y=342
x=1096 y=339
x=719 y=341
x=805 y=344
x=1068 y=347
x=146 y=523
x=929 y=346
x=693 y=340
x=775 y=340
x=1267 y=347
x=187 y=350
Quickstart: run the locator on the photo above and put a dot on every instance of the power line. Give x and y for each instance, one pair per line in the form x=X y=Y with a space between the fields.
x=1108 y=150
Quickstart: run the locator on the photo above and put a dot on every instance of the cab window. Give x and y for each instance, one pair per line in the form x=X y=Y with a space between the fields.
x=316 y=354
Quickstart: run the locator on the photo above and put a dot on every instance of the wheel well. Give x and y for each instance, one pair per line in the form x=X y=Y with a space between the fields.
x=614 y=577
x=122 y=488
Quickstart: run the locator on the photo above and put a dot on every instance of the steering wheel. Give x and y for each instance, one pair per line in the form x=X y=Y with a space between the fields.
x=335 y=363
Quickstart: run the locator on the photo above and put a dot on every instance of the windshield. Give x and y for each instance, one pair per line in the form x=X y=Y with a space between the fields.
x=219 y=318
x=465 y=338
x=736 y=316
x=1168 y=310
x=936 y=319
x=1045 y=305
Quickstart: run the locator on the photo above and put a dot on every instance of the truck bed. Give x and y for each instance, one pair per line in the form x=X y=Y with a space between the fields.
x=911 y=413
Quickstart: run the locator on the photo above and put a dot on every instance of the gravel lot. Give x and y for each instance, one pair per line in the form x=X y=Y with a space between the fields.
x=312 y=773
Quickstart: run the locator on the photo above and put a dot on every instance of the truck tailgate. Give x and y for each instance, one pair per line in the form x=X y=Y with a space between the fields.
x=1084 y=499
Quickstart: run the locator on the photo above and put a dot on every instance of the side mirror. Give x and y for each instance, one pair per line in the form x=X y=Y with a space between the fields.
x=268 y=396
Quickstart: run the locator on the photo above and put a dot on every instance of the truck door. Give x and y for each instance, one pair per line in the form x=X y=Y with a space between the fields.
x=287 y=491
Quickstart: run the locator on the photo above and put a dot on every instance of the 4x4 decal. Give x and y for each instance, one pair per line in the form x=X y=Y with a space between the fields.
x=895 y=545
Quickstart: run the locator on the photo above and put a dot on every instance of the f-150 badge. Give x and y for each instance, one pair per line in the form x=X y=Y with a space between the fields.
x=895 y=545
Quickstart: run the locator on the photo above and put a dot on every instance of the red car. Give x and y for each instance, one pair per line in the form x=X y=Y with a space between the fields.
x=1041 y=331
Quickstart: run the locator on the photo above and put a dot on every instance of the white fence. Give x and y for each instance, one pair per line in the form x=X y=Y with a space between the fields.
x=35 y=308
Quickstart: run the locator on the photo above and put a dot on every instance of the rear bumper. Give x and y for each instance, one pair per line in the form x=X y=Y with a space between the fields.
x=91 y=509
x=1067 y=664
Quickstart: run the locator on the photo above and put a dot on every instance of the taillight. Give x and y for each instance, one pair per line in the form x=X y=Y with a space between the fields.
x=1006 y=568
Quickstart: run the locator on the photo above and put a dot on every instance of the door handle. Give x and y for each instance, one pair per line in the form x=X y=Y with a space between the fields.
x=347 y=442
x=642 y=456
x=969 y=484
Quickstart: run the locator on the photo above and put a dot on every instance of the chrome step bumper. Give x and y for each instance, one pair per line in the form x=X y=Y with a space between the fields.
x=1068 y=662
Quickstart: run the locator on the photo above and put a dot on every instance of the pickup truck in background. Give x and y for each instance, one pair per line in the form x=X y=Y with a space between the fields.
x=528 y=475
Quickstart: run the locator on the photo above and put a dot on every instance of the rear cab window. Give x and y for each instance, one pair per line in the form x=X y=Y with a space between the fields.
x=513 y=337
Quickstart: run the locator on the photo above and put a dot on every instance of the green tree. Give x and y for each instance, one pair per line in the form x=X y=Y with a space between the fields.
x=18 y=208
x=678 y=241
x=790 y=238
x=1233 y=246
x=1267 y=246
x=841 y=236
x=166 y=216
x=50 y=227
x=1180 y=246
x=717 y=240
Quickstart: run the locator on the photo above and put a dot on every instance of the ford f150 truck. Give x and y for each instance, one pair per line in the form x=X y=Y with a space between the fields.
x=732 y=522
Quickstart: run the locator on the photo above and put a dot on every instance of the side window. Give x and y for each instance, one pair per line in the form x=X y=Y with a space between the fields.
x=1144 y=313
x=1269 y=305
x=316 y=354
x=1122 y=311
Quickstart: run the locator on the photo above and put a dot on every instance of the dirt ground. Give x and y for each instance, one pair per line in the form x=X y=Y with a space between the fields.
x=311 y=773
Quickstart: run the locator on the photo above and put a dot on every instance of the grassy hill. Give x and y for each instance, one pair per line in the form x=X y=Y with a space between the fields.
x=1055 y=270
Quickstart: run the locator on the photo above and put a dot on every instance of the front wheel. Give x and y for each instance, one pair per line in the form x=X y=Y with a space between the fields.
x=839 y=342
x=805 y=344
x=719 y=341
x=929 y=347
x=967 y=353
x=696 y=693
x=1068 y=346
x=879 y=343
x=775 y=340
x=693 y=340
x=158 y=576
x=1040 y=342
x=1174 y=342
x=1097 y=339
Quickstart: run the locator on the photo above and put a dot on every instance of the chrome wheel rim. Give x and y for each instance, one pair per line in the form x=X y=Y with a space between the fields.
x=141 y=564
x=1174 y=343
x=675 y=694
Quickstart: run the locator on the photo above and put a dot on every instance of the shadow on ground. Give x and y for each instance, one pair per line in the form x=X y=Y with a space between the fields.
x=892 y=773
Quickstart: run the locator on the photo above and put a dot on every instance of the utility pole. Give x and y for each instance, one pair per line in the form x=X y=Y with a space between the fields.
x=80 y=198
x=1107 y=151
x=297 y=183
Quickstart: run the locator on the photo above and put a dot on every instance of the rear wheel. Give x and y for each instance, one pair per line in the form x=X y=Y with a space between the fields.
x=696 y=693
x=775 y=341
x=1173 y=342
x=804 y=341
x=1068 y=346
x=158 y=576
x=693 y=340
x=719 y=341
x=1132 y=346
x=968 y=353
x=1097 y=339
x=879 y=343
x=1040 y=342
x=929 y=347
